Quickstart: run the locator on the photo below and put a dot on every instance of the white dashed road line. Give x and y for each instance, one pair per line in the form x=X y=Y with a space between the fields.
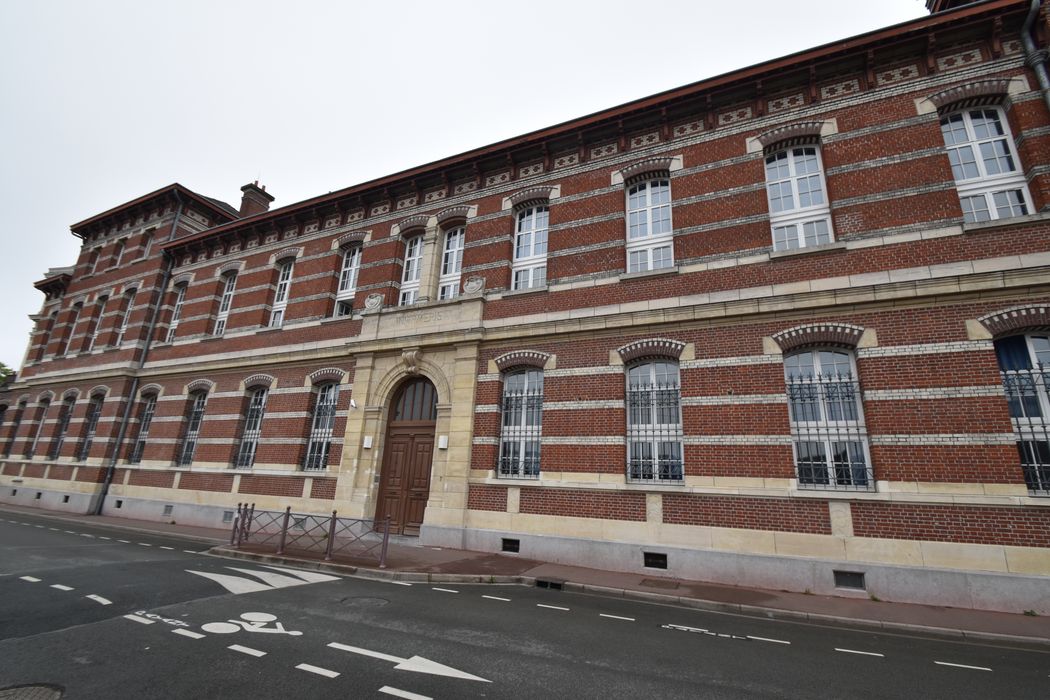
x=444 y=590
x=863 y=653
x=84 y=534
x=124 y=541
x=492 y=597
x=398 y=693
x=400 y=583
x=551 y=607
x=144 y=544
x=972 y=668
x=163 y=547
x=69 y=532
x=99 y=599
x=136 y=618
x=318 y=670
x=188 y=633
x=683 y=628
x=31 y=579
x=246 y=650
x=189 y=551
x=767 y=639
x=60 y=587
x=616 y=617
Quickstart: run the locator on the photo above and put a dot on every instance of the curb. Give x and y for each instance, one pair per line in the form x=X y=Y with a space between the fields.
x=105 y=525
x=741 y=609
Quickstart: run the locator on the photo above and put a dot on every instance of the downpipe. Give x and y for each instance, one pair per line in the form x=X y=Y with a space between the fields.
x=1034 y=57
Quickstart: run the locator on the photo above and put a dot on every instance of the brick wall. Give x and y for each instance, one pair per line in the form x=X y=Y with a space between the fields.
x=785 y=515
x=1021 y=527
x=578 y=503
x=487 y=498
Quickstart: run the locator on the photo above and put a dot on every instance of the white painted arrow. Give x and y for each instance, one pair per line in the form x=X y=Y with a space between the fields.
x=416 y=663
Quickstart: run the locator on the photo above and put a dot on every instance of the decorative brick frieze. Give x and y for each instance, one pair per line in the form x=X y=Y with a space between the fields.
x=813 y=334
x=651 y=347
x=1017 y=319
x=519 y=358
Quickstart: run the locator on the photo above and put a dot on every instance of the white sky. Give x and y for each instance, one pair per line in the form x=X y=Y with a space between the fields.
x=106 y=100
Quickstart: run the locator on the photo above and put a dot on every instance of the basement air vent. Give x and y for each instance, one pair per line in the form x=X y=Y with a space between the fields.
x=168 y=510
x=511 y=545
x=654 y=560
x=38 y=495
x=14 y=492
x=120 y=503
x=849 y=579
x=65 y=499
x=227 y=516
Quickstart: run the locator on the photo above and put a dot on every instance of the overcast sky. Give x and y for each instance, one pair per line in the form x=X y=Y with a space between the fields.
x=106 y=100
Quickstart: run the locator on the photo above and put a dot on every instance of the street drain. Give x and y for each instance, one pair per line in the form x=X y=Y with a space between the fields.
x=353 y=602
x=32 y=692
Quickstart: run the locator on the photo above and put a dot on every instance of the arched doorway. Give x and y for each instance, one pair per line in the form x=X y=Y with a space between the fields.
x=404 y=486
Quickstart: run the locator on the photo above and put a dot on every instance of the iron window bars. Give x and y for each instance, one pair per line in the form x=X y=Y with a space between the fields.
x=90 y=427
x=321 y=427
x=193 y=429
x=521 y=422
x=1029 y=400
x=252 y=430
x=64 y=417
x=148 y=409
x=654 y=423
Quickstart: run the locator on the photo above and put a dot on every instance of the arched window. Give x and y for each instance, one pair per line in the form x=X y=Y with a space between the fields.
x=93 y=262
x=94 y=410
x=176 y=312
x=15 y=425
x=96 y=322
x=530 y=248
x=521 y=424
x=649 y=233
x=122 y=329
x=827 y=424
x=798 y=206
x=118 y=253
x=348 y=271
x=654 y=422
x=280 y=297
x=146 y=411
x=195 y=417
x=451 y=264
x=252 y=429
x=65 y=414
x=987 y=171
x=1024 y=364
x=228 y=288
x=322 y=423
x=42 y=410
x=410 y=274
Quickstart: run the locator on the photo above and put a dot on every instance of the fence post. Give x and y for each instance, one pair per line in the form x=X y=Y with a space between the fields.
x=236 y=522
x=331 y=538
x=246 y=523
x=386 y=540
x=284 y=529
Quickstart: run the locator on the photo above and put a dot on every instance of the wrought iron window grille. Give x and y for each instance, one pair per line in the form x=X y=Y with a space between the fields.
x=252 y=431
x=654 y=433
x=321 y=428
x=521 y=429
x=1028 y=396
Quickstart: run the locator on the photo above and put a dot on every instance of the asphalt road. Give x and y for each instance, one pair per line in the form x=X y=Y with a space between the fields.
x=106 y=613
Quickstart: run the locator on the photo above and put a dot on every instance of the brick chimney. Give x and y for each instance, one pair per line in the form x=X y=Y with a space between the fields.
x=254 y=199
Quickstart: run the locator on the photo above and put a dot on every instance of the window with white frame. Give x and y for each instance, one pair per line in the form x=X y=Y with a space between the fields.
x=985 y=166
x=198 y=402
x=94 y=411
x=147 y=243
x=280 y=297
x=93 y=262
x=654 y=422
x=122 y=329
x=530 y=248
x=176 y=312
x=1024 y=364
x=252 y=429
x=118 y=253
x=348 y=271
x=65 y=414
x=42 y=412
x=322 y=424
x=149 y=407
x=225 y=302
x=521 y=424
x=96 y=323
x=15 y=425
x=411 y=273
x=71 y=328
x=451 y=264
x=650 y=245
x=827 y=424
x=798 y=205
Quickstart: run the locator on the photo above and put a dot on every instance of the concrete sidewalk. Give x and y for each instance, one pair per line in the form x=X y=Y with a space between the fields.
x=407 y=560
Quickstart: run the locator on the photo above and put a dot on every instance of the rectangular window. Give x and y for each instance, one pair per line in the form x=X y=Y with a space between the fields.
x=798 y=208
x=252 y=429
x=1024 y=365
x=225 y=303
x=193 y=428
x=96 y=325
x=321 y=426
x=530 y=248
x=64 y=416
x=122 y=329
x=649 y=230
x=348 y=273
x=15 y=425
x=176 y=313
x=411 y=273
x=149 y=407
x=521 y=410
x=42 y=413
x=451 y=264
x=827 y=427
x=280 y=298
x=90 y=427
x=70 y=330
x=985 y=165
x=654 y=423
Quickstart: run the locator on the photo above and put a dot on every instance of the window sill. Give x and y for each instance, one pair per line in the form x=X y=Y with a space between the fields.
x=995 y=223
x=521 y=292
x=673 y=270
x=834 y=245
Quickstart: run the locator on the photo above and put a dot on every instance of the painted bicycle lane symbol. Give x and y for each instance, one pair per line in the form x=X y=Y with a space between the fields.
x=250 y=622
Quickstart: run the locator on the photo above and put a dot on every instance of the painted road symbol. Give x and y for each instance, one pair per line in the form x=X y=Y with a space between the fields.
x=249 y=622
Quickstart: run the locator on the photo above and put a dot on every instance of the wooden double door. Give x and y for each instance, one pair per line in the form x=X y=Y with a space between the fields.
x=404 y=486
